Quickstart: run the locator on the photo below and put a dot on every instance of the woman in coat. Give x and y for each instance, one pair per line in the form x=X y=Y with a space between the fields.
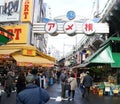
x=20 y=82
x=73 y=83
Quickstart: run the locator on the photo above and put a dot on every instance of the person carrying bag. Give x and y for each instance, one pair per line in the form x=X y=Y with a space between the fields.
x=73 y=86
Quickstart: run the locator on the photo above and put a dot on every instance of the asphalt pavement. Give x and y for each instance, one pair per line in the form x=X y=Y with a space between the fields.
x=55 y=97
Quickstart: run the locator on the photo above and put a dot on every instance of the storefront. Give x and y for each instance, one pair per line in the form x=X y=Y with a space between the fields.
x=25 y=55
x=107 y=60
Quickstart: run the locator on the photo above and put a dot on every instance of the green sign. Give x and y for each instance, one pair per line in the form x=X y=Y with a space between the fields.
x=4 y=39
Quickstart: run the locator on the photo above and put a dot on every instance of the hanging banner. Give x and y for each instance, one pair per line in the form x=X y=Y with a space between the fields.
x=27 y=10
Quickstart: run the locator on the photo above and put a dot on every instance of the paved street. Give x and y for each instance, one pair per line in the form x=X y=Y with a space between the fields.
x=55 y=92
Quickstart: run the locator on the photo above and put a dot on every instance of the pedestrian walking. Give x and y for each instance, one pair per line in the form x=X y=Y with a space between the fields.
x=73 y=83
x=82 y=75
x=58 y=75
x=9 y=83
x=87 y=82
x=42 y=80
x=63 y=79
x=21 y=82
x=32 y=94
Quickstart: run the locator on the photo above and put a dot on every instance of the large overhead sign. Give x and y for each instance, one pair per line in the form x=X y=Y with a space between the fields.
x=71 y=27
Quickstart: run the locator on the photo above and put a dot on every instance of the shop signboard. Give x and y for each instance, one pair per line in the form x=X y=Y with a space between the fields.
x=51 y=27
x=29 y=52
x=20 y=31
x=89 y=28
x=10 y=10
x=70 y=28
x=27 y=11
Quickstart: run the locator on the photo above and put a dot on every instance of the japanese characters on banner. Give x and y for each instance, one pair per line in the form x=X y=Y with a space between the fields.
x=89 y=28
x=51 y=28
x=69 y=28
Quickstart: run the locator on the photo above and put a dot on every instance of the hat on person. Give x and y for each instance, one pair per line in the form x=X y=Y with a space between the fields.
x=87 y=72
x=30 y=78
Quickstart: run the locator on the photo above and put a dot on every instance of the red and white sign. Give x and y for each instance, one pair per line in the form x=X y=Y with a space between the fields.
x=70 y=27
x=89 y=28
x=51 y=27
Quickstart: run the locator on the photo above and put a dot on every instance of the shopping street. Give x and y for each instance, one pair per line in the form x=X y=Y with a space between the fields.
x=55 y=93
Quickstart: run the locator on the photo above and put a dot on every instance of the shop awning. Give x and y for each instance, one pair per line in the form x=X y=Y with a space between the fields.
x=30 y=60
x=4 y=39
x=4 y=54
x=8 y=52
x=116 y=57
x=47 y=56
x=105 y=56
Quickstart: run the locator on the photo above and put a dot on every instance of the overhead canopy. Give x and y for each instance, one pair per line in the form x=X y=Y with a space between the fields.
x=18 y=46
x=103 y=55
x=116 y=57
x=47 y=56
x=29 y=60
x=8 y=52
x=39 y=59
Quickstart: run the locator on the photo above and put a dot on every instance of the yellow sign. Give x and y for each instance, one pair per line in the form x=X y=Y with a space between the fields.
x=27 y=11
x=20 y=32
x=29 y=52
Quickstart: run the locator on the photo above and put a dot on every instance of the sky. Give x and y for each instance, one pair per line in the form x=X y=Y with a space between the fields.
x=83 y=8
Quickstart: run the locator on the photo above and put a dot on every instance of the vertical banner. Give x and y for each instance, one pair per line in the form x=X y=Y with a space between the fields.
x=27 y=11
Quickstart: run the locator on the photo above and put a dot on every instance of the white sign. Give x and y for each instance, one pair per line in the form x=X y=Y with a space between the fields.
x=10 y=10
x=99 y=28
x=51 y=27
x=89 y=28
x=70 y=27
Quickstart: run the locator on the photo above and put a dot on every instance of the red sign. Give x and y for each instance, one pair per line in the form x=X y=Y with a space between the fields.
x=89 y=28
x=51 y=27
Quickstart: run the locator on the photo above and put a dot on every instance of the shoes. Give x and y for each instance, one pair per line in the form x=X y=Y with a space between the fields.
x=70 y=99
x=83 y=95
x=8 y=95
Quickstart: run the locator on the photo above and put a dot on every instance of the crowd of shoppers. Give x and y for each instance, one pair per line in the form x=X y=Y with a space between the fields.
x=85 y=82
x=34 y=81
x=27 y=84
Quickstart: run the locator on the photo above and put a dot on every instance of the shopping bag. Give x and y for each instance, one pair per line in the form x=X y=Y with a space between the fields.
x=82 y=89
x=67 y=86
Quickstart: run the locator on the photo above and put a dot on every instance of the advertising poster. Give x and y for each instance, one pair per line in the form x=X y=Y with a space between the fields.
x=10 y=10
x=20 y=32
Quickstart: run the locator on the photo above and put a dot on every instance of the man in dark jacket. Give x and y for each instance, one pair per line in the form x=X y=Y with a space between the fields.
x=63 y=78
x=32 y=94
x=87 y=82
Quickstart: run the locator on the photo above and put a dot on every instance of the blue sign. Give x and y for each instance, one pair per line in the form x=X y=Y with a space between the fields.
x=70 y=15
